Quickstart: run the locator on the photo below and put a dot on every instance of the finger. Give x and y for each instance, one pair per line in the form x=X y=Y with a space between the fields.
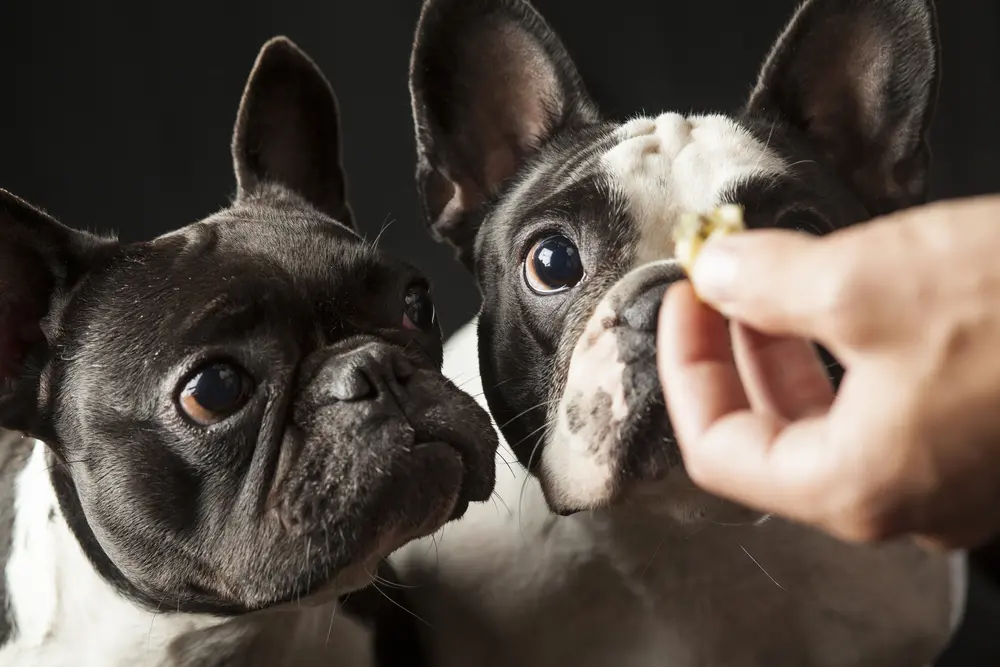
x=783 y=376
x=763 y=462
x=701 y=383
x=726 y=447
x=758 y=460
x=784 y=283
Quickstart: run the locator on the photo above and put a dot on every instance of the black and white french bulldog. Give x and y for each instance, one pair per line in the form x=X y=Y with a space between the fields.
x=565 y=218
x=227 y=428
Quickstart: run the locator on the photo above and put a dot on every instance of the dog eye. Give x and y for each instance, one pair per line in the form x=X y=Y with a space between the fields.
x=418 y=309
x=804 y=220
x=553 y=265
x=214 y=393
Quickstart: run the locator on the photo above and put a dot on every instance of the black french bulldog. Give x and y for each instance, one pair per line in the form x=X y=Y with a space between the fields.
x=565 y=218
x=227 y=428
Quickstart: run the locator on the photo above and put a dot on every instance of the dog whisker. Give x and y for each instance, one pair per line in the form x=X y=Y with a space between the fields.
x=544 y=403
x=411 y=613
x=496 y=497
x=149 y=635
x=527 y=476
x=651 y=558
x=333 y=614
x=385 y=225
x=755 y=562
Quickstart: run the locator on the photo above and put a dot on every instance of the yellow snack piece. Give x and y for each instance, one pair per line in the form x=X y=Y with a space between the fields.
x=695 y=229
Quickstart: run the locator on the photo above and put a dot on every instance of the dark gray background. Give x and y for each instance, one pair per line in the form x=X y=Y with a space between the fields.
x=117 y=115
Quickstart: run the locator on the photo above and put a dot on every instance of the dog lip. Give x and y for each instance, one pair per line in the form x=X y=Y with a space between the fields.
x=476 y=484
x=566 y=511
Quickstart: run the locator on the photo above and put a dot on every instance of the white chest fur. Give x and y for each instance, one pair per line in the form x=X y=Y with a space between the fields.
x=67 y=616
x=511 y=584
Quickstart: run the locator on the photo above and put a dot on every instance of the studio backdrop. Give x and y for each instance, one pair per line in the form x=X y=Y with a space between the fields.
x=116 y=116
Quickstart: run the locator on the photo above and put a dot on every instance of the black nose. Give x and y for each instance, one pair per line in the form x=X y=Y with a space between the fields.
x=637 y=297
x=643 y=311
x=368 y=372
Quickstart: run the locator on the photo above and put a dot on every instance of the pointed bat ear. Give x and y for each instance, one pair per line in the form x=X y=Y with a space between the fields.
x=490 y=83
x=40 y=262
x=860 y=79
x=288 y=131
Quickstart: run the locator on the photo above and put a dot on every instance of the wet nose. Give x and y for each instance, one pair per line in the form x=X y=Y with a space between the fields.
x=367 y=373
x=641 y=305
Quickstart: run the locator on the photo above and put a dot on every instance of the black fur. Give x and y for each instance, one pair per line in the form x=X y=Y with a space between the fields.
x=845 y=97
x=302 y=490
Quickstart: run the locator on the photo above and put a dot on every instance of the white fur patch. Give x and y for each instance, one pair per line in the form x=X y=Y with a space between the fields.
x=66 y=615
x=673 y=164
x=34 y=548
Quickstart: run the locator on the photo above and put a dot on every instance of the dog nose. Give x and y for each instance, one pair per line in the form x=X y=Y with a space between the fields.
x=641 y=311
x=367 y=372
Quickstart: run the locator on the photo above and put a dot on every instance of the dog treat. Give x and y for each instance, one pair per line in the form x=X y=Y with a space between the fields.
x=694 y=229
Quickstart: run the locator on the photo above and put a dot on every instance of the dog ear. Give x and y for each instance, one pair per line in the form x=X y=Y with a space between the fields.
x=288 y=131
x=40 y=262
x=860 y=79
x=490 y=83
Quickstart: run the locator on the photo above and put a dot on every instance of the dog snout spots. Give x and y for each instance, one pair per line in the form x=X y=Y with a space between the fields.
x=602 y=421
x=574 y=414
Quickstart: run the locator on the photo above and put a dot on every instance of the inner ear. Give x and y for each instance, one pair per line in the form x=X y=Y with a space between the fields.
x=288 y=131
x=860 y=80
x=40 y=262
x=490 y=83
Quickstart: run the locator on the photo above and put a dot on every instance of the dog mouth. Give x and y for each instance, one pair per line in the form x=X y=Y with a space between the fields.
x=348 y=495
x=612 y=441
x=611 y=433
x=476 y=483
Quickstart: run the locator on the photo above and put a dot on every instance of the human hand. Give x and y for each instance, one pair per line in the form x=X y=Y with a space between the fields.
x=910 y=305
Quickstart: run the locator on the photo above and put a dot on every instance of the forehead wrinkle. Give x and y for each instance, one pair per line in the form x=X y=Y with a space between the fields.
x=224 y=317
x=673 y=164
x=560 y=165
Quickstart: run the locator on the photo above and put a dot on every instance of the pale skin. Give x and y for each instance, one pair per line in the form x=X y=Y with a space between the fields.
x=910 y=305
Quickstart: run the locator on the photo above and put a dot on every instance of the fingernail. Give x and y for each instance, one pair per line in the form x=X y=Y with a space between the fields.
x=714 y=273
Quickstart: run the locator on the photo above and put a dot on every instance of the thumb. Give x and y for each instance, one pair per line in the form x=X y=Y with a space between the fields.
x=775 y=281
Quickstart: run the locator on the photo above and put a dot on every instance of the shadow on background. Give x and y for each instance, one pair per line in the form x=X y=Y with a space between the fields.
x=117 y=116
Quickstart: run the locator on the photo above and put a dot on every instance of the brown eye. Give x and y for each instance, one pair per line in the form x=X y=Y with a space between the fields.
x=214 y=393
x=553 y=265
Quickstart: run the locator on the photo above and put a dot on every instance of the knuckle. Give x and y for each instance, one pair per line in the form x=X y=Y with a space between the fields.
x=864 y=518
x=698 y=470
x=703 y=471
x=842 y=303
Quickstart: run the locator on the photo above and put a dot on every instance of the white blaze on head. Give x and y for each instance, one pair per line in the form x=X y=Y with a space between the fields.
x=674 y=164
